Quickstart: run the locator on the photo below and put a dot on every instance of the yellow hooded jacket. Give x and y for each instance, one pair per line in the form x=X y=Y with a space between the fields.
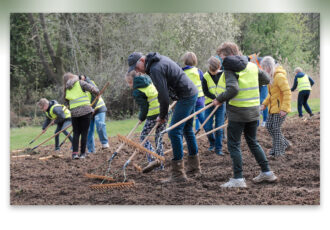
x=279 y=93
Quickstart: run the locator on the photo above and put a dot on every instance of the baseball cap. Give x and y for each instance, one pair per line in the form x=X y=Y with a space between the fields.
x=133 y=59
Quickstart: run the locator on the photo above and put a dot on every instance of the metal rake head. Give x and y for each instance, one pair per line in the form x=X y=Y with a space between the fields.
x=122 y=185
x=93 y=176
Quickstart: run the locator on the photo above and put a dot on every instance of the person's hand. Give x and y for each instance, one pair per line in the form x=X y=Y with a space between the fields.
x=262 y=107
x=160 y=120
x=216 y=102
x=140 y=122
x=283 y=113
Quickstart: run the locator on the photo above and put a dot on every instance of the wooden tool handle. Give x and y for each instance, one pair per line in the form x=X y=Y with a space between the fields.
x=187 y=118
x=67 y=136
x=100 y=93
x=208 y=118
x=128 y=136
x=43 y=131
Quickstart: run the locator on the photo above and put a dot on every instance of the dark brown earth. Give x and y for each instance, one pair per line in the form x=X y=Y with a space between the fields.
x=61 y=181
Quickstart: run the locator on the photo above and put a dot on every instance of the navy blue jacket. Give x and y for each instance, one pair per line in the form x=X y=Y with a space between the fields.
x=299 y=75
x=59 y=113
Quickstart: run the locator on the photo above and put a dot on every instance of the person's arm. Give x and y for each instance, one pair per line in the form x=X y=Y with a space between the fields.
x=59 y=113
x=311 y=80
x=263 y=77
x=142 y=101
x=206 y=90
x=46 y=123
x=89 y=87
x=282 y=83
x=159 y=80
x=295 y=83
x=266 y=101
x=231 y=87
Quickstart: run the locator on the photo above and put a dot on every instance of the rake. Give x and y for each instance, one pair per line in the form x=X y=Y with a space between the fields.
x=122 y=185
x=43 y=131
x=207 y=119
x=67 y=136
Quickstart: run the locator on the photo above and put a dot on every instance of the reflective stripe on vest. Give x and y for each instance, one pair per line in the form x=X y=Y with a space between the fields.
x=53 y=116
x=248 y=83
x=77 y=96
x=151 y=92
x=214 y=89
x=303 y=83
x=100 y=101
x=193 y=74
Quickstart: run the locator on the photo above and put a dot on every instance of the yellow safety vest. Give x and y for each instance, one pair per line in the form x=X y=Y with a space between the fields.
x=248 y=82
x=77 y=96
x=152 y=94
x=99 y=103
x=51 y=115
x=193 y=74
x=303 y=83
x=214 y=89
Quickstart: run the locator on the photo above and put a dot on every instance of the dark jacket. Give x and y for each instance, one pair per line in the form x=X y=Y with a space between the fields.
x=101 y=109
x=59 y=113
x=86 y=109
x=299 y=75
x=215 y=79
x=168 y=79
x=140 y=97
x=233 y=64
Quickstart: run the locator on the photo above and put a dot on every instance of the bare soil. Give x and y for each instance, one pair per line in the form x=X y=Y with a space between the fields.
x=61 y=181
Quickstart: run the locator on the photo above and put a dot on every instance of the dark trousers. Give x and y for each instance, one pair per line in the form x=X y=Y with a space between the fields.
x=59 y=127
x=80 y=128
x=234 y=132
x=302 y=101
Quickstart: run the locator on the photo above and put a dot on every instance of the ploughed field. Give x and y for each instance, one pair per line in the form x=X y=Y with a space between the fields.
x=61 y=181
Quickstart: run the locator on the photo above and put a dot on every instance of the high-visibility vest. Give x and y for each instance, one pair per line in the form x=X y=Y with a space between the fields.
x=51 y=115
x=193 y=74
x=100 y=101
x=254 y=59
x=214 y=89
x=248 y=83
x=152 y=94
x=303 y=83
x=77 y=96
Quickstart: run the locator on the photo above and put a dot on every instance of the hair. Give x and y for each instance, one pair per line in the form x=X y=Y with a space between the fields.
x=66 y=77
x=268 y=62
x=228 y=49
x=42 y=102
x=190 y=58
x=214 y=64
x=132 y=74
x=297 y=70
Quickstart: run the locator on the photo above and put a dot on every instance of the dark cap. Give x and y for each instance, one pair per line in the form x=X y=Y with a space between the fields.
x=133 y=59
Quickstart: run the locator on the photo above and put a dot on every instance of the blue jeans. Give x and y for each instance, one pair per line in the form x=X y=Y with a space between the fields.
x=200 y=118
x=184 y=107
x=234 y=132
x=99 y=122
x=219 y=117
x=263 y=94
x=302 y=101
x=59 y=127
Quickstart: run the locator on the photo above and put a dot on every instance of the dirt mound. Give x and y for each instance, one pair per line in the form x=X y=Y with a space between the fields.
x=61 y=181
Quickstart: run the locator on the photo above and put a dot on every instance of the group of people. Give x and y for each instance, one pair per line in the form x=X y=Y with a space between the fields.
x=79 y=93
x=234 y=84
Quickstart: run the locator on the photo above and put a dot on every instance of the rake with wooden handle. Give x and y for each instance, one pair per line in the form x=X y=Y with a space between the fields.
x=202 y=135
x=67 y=136
x=186 y=119
x=207 y=119
x=43 y=131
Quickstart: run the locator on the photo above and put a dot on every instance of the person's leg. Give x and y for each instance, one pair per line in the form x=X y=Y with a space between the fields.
x=234 y=132
x=84 y=123
x=90 y=137
x=305 y=103
x=76 y=134
x=101 y=128
x=250 y=134
x=199 y=117
x=300 y=103
x=57 y=137
x=208 y=127
x=270 y=129
x=219 y=121
x=148 y=125
x=183 y=109
x=66 y=133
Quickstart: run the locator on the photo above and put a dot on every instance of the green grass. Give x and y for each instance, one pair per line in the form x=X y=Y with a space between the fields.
x=21 y=137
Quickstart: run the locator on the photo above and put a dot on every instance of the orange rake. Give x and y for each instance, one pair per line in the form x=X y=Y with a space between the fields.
x=122 y=185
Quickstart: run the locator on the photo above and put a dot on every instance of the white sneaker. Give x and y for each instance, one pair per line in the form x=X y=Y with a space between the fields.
x=235 y=183
x=265 y=176
x=263 y=124
x=105 y=146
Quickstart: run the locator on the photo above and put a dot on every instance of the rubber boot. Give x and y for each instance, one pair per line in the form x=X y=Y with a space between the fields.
x=177 y=172
x=193 y=167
